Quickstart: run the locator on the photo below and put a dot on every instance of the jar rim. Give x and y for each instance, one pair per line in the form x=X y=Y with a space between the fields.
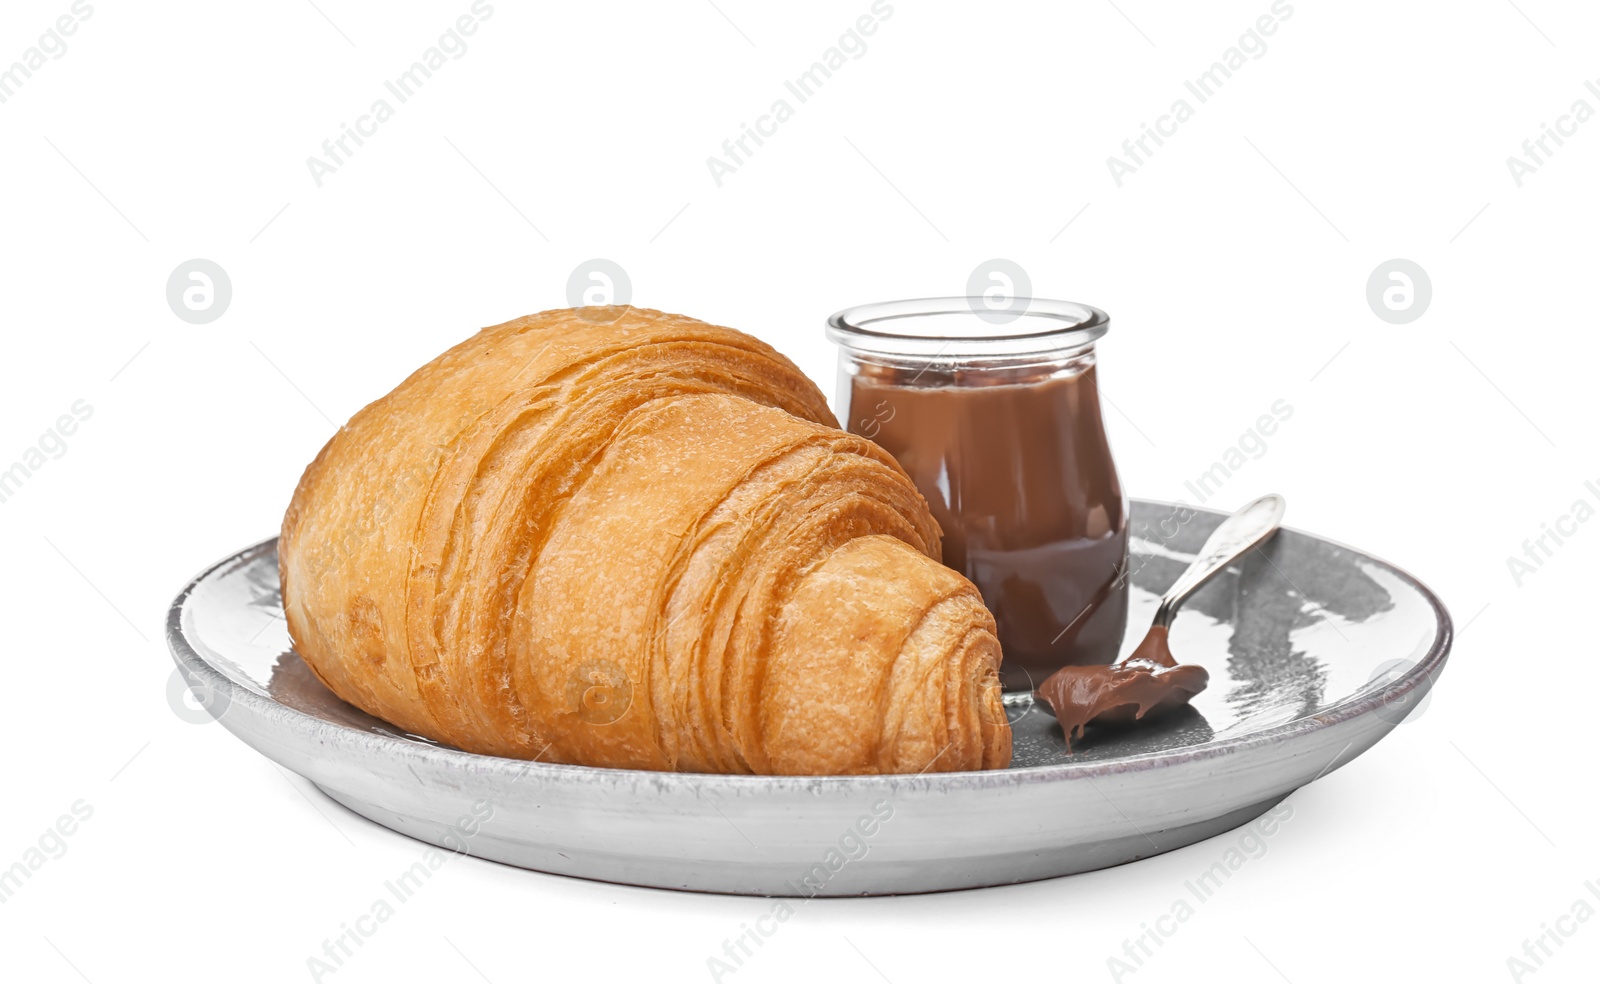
x=1047 y=325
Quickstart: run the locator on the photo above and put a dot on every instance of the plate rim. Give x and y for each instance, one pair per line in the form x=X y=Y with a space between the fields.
x=448 y=758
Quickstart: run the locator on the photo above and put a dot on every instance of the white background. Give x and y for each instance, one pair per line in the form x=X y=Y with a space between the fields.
x=1234 y=266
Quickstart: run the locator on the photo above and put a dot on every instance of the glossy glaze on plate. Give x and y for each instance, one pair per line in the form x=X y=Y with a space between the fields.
x=1293 y=636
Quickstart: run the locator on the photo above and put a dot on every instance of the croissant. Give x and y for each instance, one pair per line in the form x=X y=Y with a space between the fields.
x=616 y=537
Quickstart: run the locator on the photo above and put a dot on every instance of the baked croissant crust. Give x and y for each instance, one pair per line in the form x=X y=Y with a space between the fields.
x=640 y=542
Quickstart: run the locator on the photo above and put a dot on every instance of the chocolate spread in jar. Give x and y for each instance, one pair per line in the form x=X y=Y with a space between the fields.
x=1017 y=471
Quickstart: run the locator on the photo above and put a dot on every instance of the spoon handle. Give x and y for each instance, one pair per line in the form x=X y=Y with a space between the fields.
x=1238 y=533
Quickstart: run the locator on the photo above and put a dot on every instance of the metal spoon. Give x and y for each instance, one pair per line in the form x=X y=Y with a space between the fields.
x=1148 y=680
x=1234 y=537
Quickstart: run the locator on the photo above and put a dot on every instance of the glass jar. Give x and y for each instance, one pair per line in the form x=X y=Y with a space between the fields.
x=998 y=422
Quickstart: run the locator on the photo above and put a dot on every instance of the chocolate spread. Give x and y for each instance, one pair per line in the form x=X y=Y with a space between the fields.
x=1147 y=683
x=1015 y=466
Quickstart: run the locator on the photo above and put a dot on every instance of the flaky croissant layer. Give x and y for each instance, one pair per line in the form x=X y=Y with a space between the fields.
x=623 y=538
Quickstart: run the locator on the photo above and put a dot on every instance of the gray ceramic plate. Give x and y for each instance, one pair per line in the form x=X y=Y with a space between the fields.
x=1315 y=650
